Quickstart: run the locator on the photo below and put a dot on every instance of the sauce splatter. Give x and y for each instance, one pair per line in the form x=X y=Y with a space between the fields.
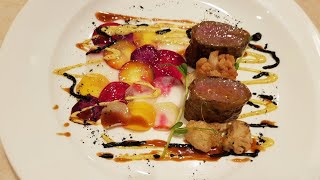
x=66 y=134
x=55 y=107
x=66 y=124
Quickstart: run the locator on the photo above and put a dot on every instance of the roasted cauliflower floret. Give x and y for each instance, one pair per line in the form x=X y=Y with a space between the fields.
x=217 y=65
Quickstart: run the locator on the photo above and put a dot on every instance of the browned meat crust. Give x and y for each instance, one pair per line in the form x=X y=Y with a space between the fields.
x=215 y=99
x=209 y=36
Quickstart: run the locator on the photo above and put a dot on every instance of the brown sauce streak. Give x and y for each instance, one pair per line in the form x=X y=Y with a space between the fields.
x=81 y=46
x=241 y=160
x=66 y=124
x=66 y=90
x=66 y=134
x=109 y=17
x=272 y=123
x=55 y=107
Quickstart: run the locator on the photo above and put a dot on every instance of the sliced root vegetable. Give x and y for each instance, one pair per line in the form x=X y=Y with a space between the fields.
x=166 y=115
x=99 y=38
x=170 y=57
x=165 y=83
x=89 y=116
x=114 y=91
x=116 y=59
x=116 y=113
x=92 y=84
x=133 y=72
x=147 y=54
x=143 y=38
x=143 y=116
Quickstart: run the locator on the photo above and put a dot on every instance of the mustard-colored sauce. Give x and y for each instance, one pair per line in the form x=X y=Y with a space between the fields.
x=269 y=79
x=252 y=58
x=269 y=106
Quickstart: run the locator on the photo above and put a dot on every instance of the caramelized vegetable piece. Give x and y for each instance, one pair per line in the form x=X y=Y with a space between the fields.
x=135 y=71
x=92 y=84
x=116 y=113
x=114 y=91
x=125 y=49
x=143 y=116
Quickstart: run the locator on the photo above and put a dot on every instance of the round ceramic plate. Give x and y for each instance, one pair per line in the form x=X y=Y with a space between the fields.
x=43 y=38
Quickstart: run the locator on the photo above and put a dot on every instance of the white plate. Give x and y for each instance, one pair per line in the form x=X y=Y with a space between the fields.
x=43 y=38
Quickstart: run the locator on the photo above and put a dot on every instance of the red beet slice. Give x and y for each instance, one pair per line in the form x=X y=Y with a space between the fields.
x=146 y=54
x=170 y=57
x=114 y=91
x=167 y=70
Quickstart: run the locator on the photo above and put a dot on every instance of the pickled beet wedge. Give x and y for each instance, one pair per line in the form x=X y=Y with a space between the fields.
x=114 y=91
x=170 y=57
x=92 y=114
x=146 y=54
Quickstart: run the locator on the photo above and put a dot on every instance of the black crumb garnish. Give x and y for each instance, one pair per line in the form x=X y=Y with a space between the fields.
x=141 y=7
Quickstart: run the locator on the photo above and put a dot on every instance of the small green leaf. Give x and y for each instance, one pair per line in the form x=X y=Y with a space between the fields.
x=180 y=131
x=183 y=69
x=237 y=65
x=177 y=125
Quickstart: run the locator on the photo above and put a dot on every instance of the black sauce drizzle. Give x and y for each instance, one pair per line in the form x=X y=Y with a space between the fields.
x=74 y=82
x=253 y=104
x=260 y=75
x=175 y=145
x=272 y=53
x=268 y=97
x=254 y=154
x=256 y=37
x=144 y=24
x=163 y=31
x=263 y=125
x=106 y=156
x=99 y=49
x=124 y=143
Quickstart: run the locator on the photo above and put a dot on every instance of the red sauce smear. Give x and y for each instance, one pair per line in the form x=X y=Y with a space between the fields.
x=110 y=17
